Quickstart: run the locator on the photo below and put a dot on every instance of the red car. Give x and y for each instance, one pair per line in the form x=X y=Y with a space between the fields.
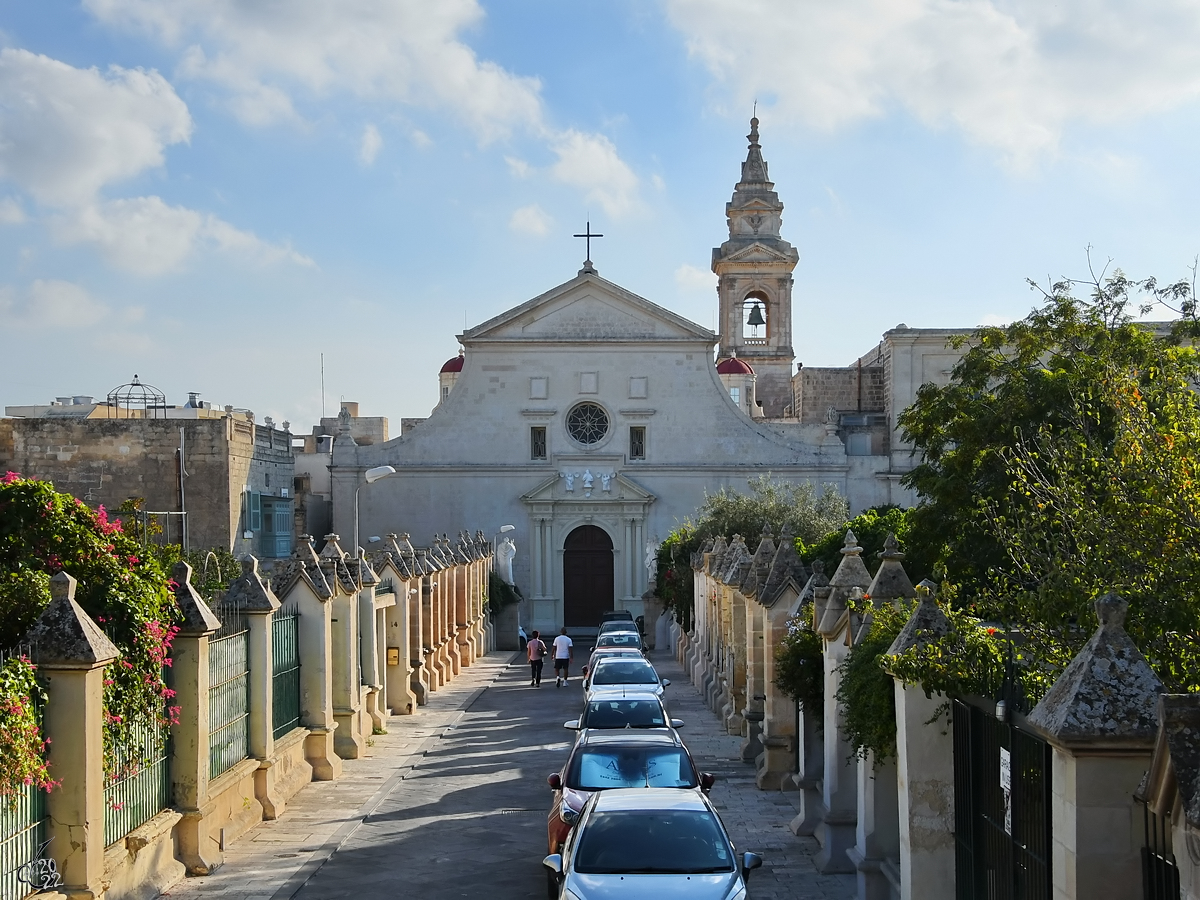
x=618 y=759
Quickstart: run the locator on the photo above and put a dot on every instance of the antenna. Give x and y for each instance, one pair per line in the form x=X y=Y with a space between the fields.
x=322 y=385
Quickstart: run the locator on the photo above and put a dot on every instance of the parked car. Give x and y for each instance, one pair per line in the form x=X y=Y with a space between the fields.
x=623 y=673
x=613 y=625
x=649 y=843
x=614 y=615
x=601 y=760
x=619 y=639
x=608 y=653
x=629 y=711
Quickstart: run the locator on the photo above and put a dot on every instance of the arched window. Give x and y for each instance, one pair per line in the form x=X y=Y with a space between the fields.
x=754 y=318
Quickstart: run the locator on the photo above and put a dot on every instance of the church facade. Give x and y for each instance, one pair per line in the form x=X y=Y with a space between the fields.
x=594 y=421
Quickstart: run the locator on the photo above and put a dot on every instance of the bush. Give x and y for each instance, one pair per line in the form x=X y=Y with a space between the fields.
x=800 y=663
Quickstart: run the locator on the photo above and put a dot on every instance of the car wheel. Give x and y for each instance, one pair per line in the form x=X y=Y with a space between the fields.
x=551 y=885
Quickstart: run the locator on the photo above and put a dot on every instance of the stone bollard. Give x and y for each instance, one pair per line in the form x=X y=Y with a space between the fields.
x=1101 y=718
x=71 y=653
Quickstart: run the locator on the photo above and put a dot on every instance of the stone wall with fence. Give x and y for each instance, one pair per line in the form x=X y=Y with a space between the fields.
x=1093 y=792
x=277 y=680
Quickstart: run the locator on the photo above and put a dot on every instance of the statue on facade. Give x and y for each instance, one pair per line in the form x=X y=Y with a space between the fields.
x=570 y=479
x=505 y=551
x=588 y=478
x=606 y=480
x=651 y=561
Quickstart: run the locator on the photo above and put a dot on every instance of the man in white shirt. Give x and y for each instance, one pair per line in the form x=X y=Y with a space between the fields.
x=562 y=658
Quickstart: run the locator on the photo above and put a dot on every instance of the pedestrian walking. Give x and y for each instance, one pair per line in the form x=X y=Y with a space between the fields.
x=562 y=658
x=536 y=651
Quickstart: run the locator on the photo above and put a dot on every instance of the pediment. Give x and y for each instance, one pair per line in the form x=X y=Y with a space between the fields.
x=588 y=308
x=757 y=253
x=621 y=489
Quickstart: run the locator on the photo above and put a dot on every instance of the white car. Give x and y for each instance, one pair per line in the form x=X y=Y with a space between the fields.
x=621 y=675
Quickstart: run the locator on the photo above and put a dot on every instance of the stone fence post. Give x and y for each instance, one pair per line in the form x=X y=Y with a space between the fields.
x=1101 y=717
x=71 y=653
x=199 y=850
x=924 y=768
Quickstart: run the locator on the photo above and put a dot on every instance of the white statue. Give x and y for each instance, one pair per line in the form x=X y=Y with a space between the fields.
x=588 y=478
x=606 y=480
x=652 y=546
x=570 y=477
x=505 y=551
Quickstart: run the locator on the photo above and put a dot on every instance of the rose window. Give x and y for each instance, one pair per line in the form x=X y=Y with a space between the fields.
x=587 y=423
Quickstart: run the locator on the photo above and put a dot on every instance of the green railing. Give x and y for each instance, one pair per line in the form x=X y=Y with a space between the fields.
x=22 y=840
x=285 y=677
x=228 y=700
x=140 y=787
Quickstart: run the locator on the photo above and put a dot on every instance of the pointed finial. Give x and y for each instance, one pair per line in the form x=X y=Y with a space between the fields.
x=1111 y=610
x=752 y=137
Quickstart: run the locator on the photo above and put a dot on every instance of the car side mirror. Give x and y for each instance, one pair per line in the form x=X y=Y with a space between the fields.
x=666 y=682
x=555 y=781
x=707 y=780
x=573 y=724
x=553 y=862
x=677 y=723
x=750 y=861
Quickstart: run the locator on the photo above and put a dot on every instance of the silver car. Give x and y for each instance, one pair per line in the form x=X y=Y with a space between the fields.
x=649 y=842
x=618 y=675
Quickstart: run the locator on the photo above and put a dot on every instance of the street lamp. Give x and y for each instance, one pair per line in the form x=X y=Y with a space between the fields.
x=370 y=477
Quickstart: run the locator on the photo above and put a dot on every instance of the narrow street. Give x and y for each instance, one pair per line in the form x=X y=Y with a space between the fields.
x=453 y=803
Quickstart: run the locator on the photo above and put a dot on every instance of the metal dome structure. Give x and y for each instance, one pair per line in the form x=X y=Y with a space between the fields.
x=124 y=399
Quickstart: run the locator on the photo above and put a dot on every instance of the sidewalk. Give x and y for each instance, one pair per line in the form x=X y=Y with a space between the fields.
x=275 y=859
x=757 y=820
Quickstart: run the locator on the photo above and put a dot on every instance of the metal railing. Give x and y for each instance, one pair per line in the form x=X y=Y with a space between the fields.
x=1160 y=874
x=22 y=838
x=139 y=788
x=228 y=696
x=285 y=675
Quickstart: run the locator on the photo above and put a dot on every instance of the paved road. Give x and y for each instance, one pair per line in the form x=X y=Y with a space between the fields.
x=454 y=805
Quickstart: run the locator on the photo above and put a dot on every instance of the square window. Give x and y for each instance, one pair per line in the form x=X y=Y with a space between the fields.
x=637 y=442
x=589 y=382
x=638 y=387
x=537 y=442
x=539 y=388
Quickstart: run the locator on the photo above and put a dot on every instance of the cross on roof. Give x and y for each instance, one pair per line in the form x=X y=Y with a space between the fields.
x=587 y=233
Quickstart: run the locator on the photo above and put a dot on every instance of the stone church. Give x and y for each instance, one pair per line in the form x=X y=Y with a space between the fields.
x=594 y=421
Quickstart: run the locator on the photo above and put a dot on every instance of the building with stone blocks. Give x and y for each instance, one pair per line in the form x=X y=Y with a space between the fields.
x=595 y=421
x=232 y=477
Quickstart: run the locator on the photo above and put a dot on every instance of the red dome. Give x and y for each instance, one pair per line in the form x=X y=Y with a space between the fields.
x=454 y=364
x=734 y=366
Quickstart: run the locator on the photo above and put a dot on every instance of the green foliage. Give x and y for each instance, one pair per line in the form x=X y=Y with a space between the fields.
x=212 y=570
x=800 y=663
x=120 y=587
x=1059 y=463
x=501 y=593
x=22 y=747
x=770 y=506
x=871 y=527
x=866 y=692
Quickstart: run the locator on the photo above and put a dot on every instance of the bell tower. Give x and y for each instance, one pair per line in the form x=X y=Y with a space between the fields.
x=754 y=282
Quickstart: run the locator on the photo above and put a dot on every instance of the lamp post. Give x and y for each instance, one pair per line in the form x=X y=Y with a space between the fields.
x=369 y=477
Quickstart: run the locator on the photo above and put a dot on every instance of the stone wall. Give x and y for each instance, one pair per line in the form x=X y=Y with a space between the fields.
x=850 y=389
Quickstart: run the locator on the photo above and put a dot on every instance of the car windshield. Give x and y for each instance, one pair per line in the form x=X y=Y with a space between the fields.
x=624 y=842
x=624 y=671
x=623 y=714
x=619 y=639
x=600 y=768
x=617 y=625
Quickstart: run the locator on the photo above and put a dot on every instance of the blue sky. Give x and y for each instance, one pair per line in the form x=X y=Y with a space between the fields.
x=212 y=193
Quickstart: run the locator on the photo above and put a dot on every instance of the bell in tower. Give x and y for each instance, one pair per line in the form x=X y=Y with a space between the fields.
x=754 y=282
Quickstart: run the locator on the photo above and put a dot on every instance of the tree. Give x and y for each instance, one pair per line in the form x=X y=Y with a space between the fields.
x=771 y=506
x=1058 y=464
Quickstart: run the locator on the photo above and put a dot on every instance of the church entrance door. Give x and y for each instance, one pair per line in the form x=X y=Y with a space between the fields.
x=587 y=577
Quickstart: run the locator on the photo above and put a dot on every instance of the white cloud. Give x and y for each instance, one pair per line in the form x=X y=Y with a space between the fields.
x=693 y=280
x=65 y=133
x=146 y=236
x=51 y=304
x=406 y=50
x=518 y=167
x=370 y=145
x=11 y=212
x=591 y=163
x=530 y=220
x=1011 y=74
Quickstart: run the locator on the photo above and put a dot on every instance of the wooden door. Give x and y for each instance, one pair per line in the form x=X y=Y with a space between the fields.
x=587 y=577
